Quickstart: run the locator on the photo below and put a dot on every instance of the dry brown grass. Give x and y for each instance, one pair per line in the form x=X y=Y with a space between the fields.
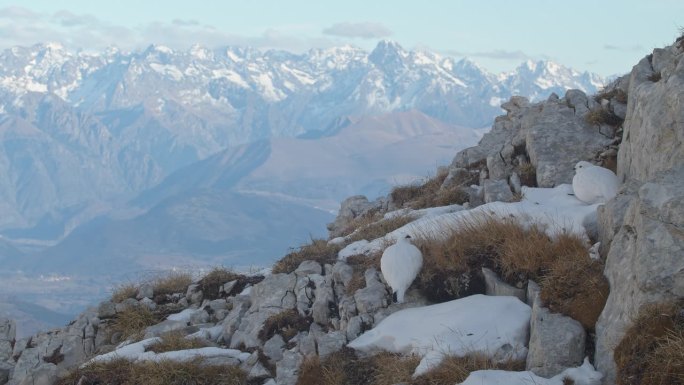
x=132 y=322
x=527 y=174
x=362 y=220
x=286 y=323
x=211 y=283
x=571 y=282
x=616 y=93
x=359 y=264
x=600 y=116
x=176 y=340
x=428 y=194
x=172 y=282
x=390 y=369
x=379 y=228
x=655 y=77
x=124 y=291
x=318 y=250
x=123 y=372
x=652 y=349
x=453 y=370
x=340 y=368
x=575 y=286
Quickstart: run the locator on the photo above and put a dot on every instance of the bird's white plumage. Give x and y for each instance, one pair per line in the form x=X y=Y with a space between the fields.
x=400 y=264
x=594 y=184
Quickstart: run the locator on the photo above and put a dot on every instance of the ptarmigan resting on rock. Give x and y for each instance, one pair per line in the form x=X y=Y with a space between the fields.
x=594 y=184
x=400 y=264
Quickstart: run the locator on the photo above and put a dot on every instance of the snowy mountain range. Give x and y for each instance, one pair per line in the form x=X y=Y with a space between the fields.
x=225 y=156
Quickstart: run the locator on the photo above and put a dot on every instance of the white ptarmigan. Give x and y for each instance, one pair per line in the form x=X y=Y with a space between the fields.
x=594 y=184
x=400 y=264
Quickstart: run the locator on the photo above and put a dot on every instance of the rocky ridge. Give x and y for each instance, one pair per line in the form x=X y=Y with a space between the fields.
x=640 y=234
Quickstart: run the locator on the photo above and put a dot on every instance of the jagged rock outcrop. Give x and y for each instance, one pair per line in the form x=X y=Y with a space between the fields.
x=644 y=225
x=535 y=144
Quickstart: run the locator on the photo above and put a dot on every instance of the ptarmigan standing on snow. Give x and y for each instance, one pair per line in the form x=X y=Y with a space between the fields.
x=400 y=264
x=594 y=184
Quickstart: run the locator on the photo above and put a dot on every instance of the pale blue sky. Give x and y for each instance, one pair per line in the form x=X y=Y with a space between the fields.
x=606 y=37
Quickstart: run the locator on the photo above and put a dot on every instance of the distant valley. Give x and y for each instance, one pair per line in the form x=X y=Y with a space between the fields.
x=118 y=163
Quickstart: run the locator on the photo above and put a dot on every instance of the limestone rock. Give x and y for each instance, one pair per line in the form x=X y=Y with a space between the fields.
x=654 y=125
x=8 y=334
x=497 y=191
x=556 y=342
x=373 y=296
x=351 y=208
x=273 y=348
x=106 y=309
x=194 y=294
x=145 y=290
x=645 y=263
x=495 y=286
x=288 y=368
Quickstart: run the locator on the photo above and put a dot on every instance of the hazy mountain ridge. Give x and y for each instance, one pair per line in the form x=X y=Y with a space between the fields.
x=87 y=129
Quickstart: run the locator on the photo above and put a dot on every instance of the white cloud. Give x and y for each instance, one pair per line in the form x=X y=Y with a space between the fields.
x=363 y=30
x=23 y=27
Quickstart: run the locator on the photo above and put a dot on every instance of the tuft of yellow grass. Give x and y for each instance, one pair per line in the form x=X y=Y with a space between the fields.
x=176 y=340
x=124 y=291
x=172 y=282
x=132 y=322
x=318 y=250
x=124 y=372
x=652 y=350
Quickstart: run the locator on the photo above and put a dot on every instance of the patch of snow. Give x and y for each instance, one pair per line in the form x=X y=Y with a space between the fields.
x=584 y=375
x=494 y=326
x=184 y=315
x=556 y=210
x=230 y=75
x=211 y=333
x=136 y=352
x=495 y=101
x=354 y=248
x=168 y=70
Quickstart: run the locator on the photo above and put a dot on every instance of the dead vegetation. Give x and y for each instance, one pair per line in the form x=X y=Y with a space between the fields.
x=454 y=370
x=124 y=291
x=600 y=116
x=571 y=282
x=175 y=340
x=428 y=193
x=655 y=77
x=132 y=322
x=652 y=349
x=616 y=94
x=576 y=287
x=211 y=283
x=121 y=371
x=527 y=174
x=340 y=368
x=346 y=367
x=318 y=250
x=359 y=264
x=379 y=228
x=286 y=323
x=171 y=283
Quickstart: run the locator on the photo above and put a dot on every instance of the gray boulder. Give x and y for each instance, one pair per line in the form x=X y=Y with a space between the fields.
x=374 y=296
x=8 y=334
x=495 y=286
x=287 y=369
x=643 y=225
x=556 y=342
x=497 y=191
